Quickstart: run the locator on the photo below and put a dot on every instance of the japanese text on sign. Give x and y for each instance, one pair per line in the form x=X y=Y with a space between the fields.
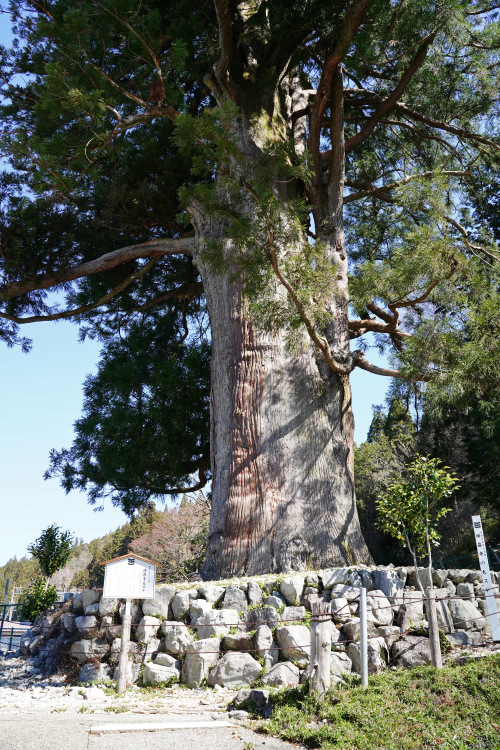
x=124 y=579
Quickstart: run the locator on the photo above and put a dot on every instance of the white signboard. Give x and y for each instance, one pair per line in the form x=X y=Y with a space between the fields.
x=129 y=578
x=484 y=566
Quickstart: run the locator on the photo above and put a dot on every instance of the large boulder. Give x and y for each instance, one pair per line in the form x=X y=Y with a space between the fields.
x=274 y=601
x=378 y=656
x=132 y=672
x=255 y=697
x=235 y=598
x=86 y=624
x=283 y=674
x=157 y=674
x=201 y=656
x=366 y=579
x=135 y=611
x=234 y=671
x=465 y=615
x=181 y=602
x=254 y=593
x=177 y=637
x=82 y=651
x=390 y=634
x=265 y=646
x=389 y=583
x=466 y=590
x=423 y=574
x=199 y=607
x=411 y=612
x=339 y=608
x=91 y=672
x=217 y=622
x=293 y=614
x=343 y=591
x=147 y=629
x=158 y=607
x=335 y=576
x=291 y=589
x=379 y=609
x=261 y=616
x=90 y=596
x=439 y=576
x=340 y=664
x=239 y=641
x=352 y=629
x=458 y=576
x=108 y=607
x=444 y=617
x=211 y=592
x=412 y=651
x=68 y=621
x=295 y=643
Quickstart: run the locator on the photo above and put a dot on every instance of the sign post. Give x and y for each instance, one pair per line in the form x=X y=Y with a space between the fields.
x=484 y=566
x=128 y=577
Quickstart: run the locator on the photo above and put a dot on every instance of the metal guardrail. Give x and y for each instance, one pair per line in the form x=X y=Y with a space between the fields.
x=10 y=631
x=471 y=561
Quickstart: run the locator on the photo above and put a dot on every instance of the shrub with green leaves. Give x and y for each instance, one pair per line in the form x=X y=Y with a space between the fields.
x=411 y=507
x=34 y=601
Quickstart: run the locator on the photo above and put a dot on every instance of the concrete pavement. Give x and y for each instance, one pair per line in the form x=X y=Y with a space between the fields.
x=73 y=732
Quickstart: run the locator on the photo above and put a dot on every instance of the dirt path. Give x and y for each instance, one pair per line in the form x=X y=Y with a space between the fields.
x=44 y=712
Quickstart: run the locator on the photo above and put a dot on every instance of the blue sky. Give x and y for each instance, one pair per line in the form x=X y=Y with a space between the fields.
x=40 y=399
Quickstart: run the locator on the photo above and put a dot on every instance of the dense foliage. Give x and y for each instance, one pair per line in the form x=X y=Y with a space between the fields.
x=37 y=598
x=144 y=430
x=463 y=433
x=52 y=549
x=132 y=129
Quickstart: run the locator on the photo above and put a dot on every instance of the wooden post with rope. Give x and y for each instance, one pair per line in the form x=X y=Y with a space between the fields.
x=321 y=646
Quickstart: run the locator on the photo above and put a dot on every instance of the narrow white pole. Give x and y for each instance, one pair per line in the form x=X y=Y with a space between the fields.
x=364 y=637
x=125 y=639
x=484 y=566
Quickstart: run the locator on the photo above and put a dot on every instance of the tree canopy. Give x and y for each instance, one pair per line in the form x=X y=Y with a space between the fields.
x=134 y=129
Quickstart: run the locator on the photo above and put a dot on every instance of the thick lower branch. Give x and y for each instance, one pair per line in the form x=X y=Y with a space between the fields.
x=151 y=249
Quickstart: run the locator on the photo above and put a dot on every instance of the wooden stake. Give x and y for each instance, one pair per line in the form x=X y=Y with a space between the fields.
x=363 y=637
x=436 y=657
x=321 y=646
x=125 y=640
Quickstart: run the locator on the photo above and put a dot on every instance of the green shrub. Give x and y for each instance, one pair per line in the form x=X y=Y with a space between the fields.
x=36 y=599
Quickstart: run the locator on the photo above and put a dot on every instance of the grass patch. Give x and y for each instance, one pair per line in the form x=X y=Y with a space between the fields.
x=457 y=708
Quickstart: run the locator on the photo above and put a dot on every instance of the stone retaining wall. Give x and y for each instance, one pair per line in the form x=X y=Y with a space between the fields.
x=239 y=632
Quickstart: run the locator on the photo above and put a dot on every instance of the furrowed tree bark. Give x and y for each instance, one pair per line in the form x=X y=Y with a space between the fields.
x=281 y=435
x=281 y=442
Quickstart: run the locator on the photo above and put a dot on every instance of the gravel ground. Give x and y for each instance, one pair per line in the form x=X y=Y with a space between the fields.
x=38 y=711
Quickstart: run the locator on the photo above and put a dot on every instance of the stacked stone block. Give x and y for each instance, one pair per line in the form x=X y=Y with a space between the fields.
x=234 y=633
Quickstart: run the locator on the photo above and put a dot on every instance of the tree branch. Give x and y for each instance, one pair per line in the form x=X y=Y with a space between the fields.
x=471 y=247
x=221 y=67
x=388 y=103
x=373 y=190
x=83 y=308
x=352 y=21
x=412 y=115
x=363 y=364
x=151 y=249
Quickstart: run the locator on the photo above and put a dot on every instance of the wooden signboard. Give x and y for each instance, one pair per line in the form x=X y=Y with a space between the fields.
x=129 y=577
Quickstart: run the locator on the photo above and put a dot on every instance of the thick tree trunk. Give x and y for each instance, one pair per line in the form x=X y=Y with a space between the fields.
x=281 y=442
